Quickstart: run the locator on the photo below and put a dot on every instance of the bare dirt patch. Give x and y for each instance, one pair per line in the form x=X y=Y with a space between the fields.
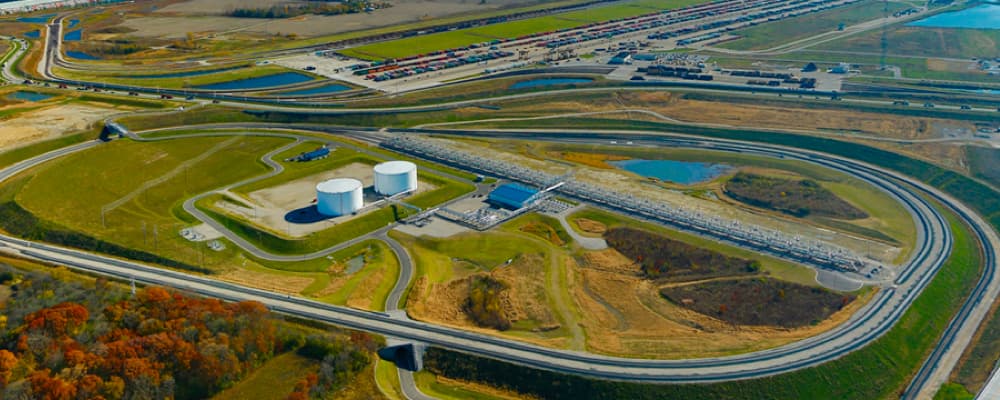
x=49 y=123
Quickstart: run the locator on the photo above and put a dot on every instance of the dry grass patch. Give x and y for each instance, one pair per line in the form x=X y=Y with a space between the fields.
x=279 y=283
x=591 y=226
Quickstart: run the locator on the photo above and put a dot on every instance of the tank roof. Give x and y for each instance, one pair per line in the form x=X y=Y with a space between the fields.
x=339 y=185
x=395 y=167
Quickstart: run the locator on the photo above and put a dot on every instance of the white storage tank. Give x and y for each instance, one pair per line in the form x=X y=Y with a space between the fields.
x=395 y=177
x=337 y=197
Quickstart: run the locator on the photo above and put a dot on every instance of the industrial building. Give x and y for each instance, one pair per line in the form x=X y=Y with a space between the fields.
x=337 y=197
x=395 y=177
x=317 y=154
x=513 y=195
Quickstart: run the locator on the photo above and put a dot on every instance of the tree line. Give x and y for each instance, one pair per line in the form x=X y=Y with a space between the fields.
x=70 y=340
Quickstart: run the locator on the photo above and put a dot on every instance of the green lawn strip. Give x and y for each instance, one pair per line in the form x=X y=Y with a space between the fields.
x=892 y=219
x=184 y=82
x=429 y=385
x=273 y=380
x=772 y=34
x=775 y=267
x=922 y=41
x=529 y=219
x=18 y=154
x=199 y=116
x=886 y=365
x=953 y=391
x=338 y=158
x=387 y=380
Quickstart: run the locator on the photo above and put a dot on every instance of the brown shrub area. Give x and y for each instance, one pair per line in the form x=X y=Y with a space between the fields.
x=672 y=260
x=763 y=301
x=591 y=226
x=800 y=198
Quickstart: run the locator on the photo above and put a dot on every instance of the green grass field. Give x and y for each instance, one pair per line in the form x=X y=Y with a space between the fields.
x=272 y=381
x=923 y=42
x=429 y=385
x=255 y=71
x=387 y=380
x=149 y=221
x=772 y=34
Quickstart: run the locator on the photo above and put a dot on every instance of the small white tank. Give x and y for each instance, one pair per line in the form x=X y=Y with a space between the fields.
x=394 y=177
x=337 y=197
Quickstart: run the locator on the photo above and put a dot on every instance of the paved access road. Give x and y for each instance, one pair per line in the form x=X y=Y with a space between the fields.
x=875 y=319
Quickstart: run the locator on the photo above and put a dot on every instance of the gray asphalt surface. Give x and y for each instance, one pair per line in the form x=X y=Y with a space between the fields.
x=861 y=329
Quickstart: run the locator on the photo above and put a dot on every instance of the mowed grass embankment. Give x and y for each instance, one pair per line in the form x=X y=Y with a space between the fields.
x=272 y=381
x=508 y=30
x=73 y=190
x=923 y=42
x=773 y=34
x=257 y=71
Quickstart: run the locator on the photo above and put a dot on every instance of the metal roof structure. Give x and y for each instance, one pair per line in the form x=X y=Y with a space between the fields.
x=513 y=195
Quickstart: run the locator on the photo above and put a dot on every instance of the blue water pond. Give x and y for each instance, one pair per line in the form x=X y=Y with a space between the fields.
x=35 y=34
x=282 y=79
x=317 y=90
x=549 y=82
x=680 y=172
x=73 y=36
x=986 y=16
x=79 y=55
x=29 y=96
x=41 y=19
x=72 y=23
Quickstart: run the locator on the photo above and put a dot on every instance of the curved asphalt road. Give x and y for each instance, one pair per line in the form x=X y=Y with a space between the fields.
x=860 y=330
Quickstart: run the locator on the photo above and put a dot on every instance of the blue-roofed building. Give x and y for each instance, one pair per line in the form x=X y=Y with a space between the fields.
x=317 y=154
x=513 y=195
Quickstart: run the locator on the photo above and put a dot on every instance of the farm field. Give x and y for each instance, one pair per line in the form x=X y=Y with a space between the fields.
x=772 y=34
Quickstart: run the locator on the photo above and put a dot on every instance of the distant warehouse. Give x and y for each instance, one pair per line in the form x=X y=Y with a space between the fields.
x=513 y=195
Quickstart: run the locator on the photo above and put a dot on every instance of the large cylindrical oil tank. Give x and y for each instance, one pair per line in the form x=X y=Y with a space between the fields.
x=337 y=197
x=395 y=177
